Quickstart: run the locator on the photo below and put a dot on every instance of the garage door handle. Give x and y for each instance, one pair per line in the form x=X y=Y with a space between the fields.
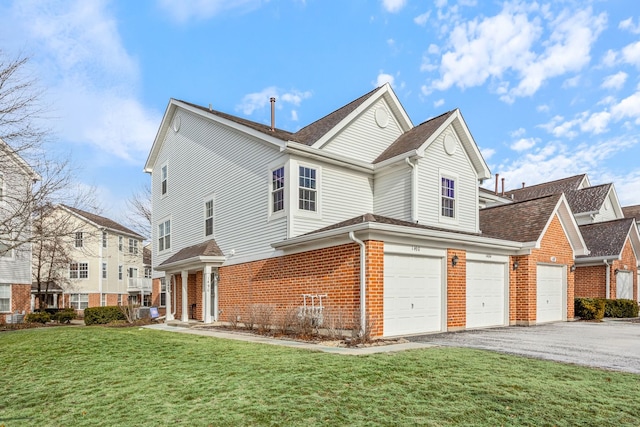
x=411 y=306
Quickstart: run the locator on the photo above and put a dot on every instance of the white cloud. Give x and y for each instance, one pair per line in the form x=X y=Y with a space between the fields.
x=628 y=25
x=628 y=108
x=393 y=6
x=438 y=103
x=523 y=144
x=487 y=153
x=183 y=11
x=610 y=58
x=615 y=81
x=631 y=54
x=543 y=108
x=384 y=78
x=260 y=100
x=93 y=81
x=511 y=45
x=518 y=133
x=294 y=115
x=596 y=123
x=422 y=19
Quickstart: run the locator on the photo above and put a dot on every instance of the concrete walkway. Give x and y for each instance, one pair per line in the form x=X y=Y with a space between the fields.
x=239 y=336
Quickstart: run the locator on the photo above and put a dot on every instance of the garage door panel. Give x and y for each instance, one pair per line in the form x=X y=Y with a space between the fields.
x=412 y=294
x=486 y=294
x=550 y=292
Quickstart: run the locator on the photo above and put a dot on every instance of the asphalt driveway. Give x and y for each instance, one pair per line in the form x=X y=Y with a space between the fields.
x=611 y=345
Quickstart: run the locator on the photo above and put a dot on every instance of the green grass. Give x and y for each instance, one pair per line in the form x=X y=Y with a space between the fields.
x=95 y=376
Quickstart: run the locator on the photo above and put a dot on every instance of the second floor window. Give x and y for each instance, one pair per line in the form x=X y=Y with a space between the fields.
x=277 y=190
x=164 y=235
x=119 y=272
x=104 y=239
x=120 y=243
x=448 y=198
x=78 y=270
x=104 y=270
x=79 y=239
x=164 y=176
x=147 y=272
x=307 y=189
x=208 y=218
x=133 y=246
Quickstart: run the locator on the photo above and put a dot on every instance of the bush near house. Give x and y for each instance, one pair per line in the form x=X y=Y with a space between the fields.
x=39 y=317
x=102 y=315
x=620 y=308
x=65 y=316
x=589 y=308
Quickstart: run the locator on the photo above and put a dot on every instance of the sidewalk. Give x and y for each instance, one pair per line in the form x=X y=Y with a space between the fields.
x=359 y=351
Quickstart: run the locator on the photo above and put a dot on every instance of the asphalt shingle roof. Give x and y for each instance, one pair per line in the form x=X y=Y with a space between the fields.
x=545 y=189
x=520 y=221
x=103 y=221
x=632 y=212
x=207 y=248
x=606 y=238
x=588 y=199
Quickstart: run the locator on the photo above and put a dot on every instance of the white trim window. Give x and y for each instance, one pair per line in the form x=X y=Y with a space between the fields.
x=164 y=178
x=120 y=243
x=448 y=197
x=163 y=292
x=104 y=270
x=79 y=241
x=104 y=239
x=208 y=217
x=79 y=301
x=120 y=272
x=133 y=246
x=147 y=272
x=307 y=189
x=164 y=235
x=5 y=298
x=119 y=299
x=277 y=190
x=103 y=300
x=78 y=270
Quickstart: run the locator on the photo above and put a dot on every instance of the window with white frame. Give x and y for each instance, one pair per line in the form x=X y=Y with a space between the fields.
x=119 y=272
x=146 y=300
x=133 y=246
x=103 y=300
x=307 y=191
x=5 y=298
x=164 y=235
x=163 y=180
x=78 y=270
x=208 y=217
x=277 y=190
x=79 y=301
x=120 y=239
x=147 y=272
x=448 y=197
x=104 y=270
x=163 y=292
x=79 y=239
x=104 y=239
x=119 y=299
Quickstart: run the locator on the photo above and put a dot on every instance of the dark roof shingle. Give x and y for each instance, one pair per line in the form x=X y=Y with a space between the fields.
x=632 y=212
x=545 y=189
x=103 y=221
x=606 y=239
x=207 y=248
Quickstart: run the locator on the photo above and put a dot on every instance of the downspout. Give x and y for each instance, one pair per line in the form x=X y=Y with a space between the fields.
x=608 y=279
x=363 y=283
x=414 y=190
x=175 y=307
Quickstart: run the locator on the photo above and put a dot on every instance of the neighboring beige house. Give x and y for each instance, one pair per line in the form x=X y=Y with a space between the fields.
x=106 y=263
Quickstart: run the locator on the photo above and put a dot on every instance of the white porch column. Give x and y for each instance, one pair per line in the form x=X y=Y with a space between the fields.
x=215 y=296
x=206 y=297
x=167 y=305
x=185 y=312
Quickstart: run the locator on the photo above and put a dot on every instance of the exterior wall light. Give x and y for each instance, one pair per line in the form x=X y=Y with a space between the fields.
x=572 y=268
x=516 y=264
x=454 y=260
x=616 y=271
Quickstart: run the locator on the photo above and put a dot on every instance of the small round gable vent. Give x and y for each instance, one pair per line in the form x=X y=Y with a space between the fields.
x=382 y=117
x=450 y=145
x=176 y=123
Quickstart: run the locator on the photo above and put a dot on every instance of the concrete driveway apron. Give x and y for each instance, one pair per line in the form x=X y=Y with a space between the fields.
x=611 y=345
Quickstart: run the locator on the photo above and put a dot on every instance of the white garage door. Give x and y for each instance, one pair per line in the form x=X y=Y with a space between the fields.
x=624 y=285
x=486 y=302
x=550 y=305
x=412 y=294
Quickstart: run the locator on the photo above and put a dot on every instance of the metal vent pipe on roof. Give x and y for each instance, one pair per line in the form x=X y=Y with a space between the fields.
x=497 y=175
x=503 y=186
x=273 y=113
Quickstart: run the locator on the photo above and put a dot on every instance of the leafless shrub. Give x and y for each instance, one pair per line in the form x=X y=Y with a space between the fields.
x=233 y=317
x=305 y=325
x=129 y=311
x=287 y=320
x=359 y=334
x=334 y=323
x=262 y=314
x=250 y=320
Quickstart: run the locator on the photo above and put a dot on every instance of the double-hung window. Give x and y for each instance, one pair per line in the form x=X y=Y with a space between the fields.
x=164 y=235
x=78 y=270
x=307 y=189
x=103 y=300
x=163 y=292
x=164 y=178
x=120 y=238
x=79 y=301
x=104 y=270
x=208 y=217
x=448 y=197
x=277 y=190
x=104 y=239
x=133 y=246
x=119 y=272
x=5 y=298
x=79 y=239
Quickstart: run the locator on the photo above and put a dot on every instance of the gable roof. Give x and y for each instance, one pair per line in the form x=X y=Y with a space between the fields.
x=632 y=212
x=101 y=221
x=563 y=185
x=588 y=199
x=18 y=160
x=607 y=239
x=201 y=252
x=527 y=221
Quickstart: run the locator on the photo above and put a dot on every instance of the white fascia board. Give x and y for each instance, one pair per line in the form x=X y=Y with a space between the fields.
x=26 y=168
x=406 y=123
x=634 y=237
x=98 y=226
x=616 y=203
x=596 y=260
x=400 y=158
x=196 y=262
x=157 y=142
x=569 y=226
x=293 y=147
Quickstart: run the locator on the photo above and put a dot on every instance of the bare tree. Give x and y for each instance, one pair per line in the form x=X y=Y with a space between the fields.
x=139 y=211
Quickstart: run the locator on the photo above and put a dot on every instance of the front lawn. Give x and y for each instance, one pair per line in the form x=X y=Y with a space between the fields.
x=98 y=376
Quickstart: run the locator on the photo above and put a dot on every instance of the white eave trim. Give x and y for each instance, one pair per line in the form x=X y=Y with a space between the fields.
x=185 y=264
x=566 y=218
x=101 y=227
x=293 y=147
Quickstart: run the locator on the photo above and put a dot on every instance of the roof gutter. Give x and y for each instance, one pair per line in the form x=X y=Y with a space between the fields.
x=414 y=189
x=363 y=284
x=298 y=148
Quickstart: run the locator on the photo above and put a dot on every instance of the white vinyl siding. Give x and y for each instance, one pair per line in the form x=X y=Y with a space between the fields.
x=437 y=164
x=363 y=139
x=393 y=194
x=209 y=158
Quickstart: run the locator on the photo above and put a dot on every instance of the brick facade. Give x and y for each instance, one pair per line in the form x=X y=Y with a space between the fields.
x=456 y=290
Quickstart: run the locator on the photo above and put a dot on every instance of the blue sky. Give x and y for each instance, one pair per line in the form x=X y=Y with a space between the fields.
x=548 y=90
